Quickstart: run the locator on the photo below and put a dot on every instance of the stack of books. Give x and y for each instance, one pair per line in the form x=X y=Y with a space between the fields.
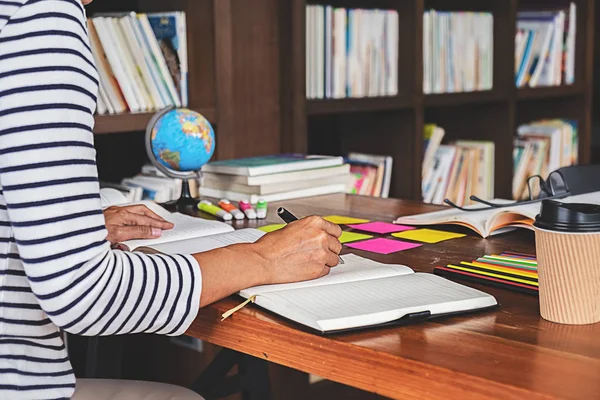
x=351 y=52
x=540 y=148
x=275 y=177
x=371 y=175
x=545 y=47
x=457 y=170
x=141 y=60
x=458 y=50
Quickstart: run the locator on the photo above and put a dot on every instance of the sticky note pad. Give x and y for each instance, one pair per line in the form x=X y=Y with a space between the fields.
x=381 y=227
x=271 y=228
x=340 y=220
x=428 y=235
x=383 y=246
x=348 y=237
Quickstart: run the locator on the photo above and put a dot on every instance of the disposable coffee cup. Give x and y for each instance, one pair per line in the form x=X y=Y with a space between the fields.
x=567 y=240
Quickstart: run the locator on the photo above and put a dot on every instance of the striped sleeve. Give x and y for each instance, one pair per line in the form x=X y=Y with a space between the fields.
x=49 y=180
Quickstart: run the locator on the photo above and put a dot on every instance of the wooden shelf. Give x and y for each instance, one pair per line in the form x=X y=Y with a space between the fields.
x=452 y=99
x=133 y=122
x=338 y=106
x=551 y=91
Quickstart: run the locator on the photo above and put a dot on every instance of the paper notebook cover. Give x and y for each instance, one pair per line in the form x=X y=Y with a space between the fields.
x=255 y=166
x=363 y=293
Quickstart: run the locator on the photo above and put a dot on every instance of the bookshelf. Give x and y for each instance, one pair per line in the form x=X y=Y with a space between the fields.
x=233 y=53
x=394 y=125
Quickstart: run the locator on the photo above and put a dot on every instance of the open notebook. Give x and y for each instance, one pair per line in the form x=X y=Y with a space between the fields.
x=361 y=293
x=491 y=221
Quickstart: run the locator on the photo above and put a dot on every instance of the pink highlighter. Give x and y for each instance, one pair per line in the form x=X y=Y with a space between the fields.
x=246 y=207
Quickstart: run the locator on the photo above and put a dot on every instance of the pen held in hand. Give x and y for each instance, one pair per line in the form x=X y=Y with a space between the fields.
x=288 y=218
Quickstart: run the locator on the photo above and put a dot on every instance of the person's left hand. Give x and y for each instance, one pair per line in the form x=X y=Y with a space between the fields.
x=133 y=222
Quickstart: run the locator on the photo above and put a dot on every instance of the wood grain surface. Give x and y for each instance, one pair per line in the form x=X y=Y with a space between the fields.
x=508 y=353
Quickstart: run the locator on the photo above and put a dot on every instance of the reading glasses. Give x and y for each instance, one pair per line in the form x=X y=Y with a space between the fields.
x=554 y=187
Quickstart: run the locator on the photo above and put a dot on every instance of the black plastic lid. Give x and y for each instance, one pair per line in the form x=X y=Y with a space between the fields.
x=568 y=217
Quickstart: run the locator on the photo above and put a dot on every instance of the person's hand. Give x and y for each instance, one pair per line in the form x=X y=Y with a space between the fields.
x=303 y=250
x=133 y=222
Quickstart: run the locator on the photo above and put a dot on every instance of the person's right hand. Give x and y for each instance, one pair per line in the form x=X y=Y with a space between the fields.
x=303 y=250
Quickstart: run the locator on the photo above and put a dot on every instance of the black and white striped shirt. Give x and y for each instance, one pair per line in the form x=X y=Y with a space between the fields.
x=57 y=271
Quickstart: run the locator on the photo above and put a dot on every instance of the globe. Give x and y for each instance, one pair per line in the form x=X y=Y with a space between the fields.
x=179 y=142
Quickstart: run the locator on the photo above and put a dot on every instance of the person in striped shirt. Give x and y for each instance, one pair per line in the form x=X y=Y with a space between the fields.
x=58 y=270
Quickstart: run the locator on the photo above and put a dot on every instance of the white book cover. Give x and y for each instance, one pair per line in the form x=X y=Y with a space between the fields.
x=426 y=53
x=572 y=33
x=150 y=61
x=340 y=56
x=110 y=48
x=160 y=59
x=137 y=52
x=329 y=52
x=290 y=195
x=320 y=52
x=308 y=50
x=114 y=102
x=138 y=86
x=101 y=107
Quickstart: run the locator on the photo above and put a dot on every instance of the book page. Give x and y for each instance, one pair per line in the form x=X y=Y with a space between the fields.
x=199 y=245
x=186 y=227
x=374 y=301
x=355 y=269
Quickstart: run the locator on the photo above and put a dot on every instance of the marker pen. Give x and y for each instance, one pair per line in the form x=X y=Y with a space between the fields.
x=211 y=209
x=230 y=208
x=246 y=207
x=261 y=209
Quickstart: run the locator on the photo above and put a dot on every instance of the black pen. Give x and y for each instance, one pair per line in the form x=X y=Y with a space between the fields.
x=288 y=218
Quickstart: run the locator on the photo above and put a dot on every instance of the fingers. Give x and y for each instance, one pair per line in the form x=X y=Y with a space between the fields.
x=143 y=210
x=124 y=233
x=332 y=259
x=138 y=219
x=331 y=228
x=334 y=245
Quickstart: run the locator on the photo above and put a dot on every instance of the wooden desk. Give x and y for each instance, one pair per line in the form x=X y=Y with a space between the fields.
x=509 y=353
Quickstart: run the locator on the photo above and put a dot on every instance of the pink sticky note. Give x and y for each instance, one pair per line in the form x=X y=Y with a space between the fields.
x=381 y=227
x=383 y=246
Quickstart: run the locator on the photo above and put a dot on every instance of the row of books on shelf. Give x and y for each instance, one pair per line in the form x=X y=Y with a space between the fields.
x=460 y=169
x=351 y=53
x=457 y=170
x=540 y=148
x=458 y=50
x=141 y=59
x=545 y=47
x=270 y=178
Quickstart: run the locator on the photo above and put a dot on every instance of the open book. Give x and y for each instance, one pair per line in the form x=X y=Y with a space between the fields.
x=186 y=228
x=360 y=293
x=488 y=222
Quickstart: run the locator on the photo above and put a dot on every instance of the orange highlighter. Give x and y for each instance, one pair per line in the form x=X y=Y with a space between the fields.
x=230 y=208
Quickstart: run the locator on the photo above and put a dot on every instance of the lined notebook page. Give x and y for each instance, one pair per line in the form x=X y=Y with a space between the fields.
x=198 y=245
x=355 y=269
x=375 y=301
x=186 y=227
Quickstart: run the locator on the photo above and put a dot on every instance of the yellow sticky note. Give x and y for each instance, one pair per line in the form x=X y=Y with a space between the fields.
x=348 y=237
x=271 y=228
x=427 y=235
x=338 y=219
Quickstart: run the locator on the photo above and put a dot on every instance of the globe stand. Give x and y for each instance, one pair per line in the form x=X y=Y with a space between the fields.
x=185 y=202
